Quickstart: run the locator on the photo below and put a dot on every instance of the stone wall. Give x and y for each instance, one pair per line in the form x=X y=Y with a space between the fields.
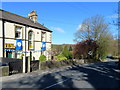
x=57 y=64
x=4 y=71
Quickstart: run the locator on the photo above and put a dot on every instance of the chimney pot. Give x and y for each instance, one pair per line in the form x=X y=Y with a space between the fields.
x=33 y=16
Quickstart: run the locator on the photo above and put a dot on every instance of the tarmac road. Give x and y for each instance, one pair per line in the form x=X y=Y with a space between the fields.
x=100 y=75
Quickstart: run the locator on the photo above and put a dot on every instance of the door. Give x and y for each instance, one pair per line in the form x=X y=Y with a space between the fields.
x=8 y=54
x=26 y=65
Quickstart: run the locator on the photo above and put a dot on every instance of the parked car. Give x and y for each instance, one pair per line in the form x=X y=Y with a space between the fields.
x=3 y=64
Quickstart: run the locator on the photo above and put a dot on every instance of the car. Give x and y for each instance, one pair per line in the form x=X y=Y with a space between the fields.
x=3 y=64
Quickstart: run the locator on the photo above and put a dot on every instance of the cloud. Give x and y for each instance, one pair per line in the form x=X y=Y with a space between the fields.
x=58 y=29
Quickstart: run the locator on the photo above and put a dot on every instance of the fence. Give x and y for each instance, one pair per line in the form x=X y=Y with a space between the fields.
x=15 y=65
x=34 y=65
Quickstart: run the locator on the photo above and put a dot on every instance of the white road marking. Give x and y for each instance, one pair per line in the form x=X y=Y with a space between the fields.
x=55 y=84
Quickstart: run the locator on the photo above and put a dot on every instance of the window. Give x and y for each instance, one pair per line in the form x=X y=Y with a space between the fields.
x=50 y=37
x=43 y=36
x=30 y=40
x=18 y=32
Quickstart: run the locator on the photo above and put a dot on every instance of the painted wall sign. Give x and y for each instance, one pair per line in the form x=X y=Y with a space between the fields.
x=9 y=45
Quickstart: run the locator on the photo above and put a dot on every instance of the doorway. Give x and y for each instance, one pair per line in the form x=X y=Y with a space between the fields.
x=8 y=54
x=26 y=65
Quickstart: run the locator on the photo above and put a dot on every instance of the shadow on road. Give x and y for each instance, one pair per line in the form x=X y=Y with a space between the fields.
x=101 y=75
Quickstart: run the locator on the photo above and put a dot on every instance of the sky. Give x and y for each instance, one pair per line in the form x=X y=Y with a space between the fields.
x=64 y=18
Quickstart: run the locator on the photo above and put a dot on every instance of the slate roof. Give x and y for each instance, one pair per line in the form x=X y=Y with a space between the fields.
x=7 y=16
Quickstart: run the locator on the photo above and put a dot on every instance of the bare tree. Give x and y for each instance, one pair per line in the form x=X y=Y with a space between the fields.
x=95 y=28
x=91 y=28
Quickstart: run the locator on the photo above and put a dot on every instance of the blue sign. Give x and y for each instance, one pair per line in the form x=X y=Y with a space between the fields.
x=18 y=44
x=43 y=46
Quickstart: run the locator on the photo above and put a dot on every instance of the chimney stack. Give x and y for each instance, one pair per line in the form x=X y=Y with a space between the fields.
x=33 y=16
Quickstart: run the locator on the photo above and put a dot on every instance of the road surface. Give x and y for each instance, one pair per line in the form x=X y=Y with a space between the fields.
x=100 y=75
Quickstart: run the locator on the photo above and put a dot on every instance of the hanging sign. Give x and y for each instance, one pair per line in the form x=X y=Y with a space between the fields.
x=43 y=46
x=18 y=44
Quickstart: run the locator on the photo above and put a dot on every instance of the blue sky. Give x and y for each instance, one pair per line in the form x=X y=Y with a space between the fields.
x=64 y=18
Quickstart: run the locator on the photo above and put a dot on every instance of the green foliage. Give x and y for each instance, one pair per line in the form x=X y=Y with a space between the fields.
x=49 y=59
x=70 y=55
x=61 y=57
x=104 y=45
x=70 y=48
x=42 y=58
x=114 y=47
x=67 y=53
x=21 y=56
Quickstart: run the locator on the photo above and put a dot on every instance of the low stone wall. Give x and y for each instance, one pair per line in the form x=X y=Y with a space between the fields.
x=4 y=71
x=57 y=64
x=7 y=60
x=14 y=66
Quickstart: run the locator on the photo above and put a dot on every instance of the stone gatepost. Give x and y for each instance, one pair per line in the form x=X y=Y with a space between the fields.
x=28 y=64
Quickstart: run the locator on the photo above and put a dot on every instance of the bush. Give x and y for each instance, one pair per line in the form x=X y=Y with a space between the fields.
x=42 y=58
x=61 y=57
x=21 y=56
x=67 y=53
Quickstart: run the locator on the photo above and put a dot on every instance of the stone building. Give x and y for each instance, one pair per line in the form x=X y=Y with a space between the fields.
x=23 y=36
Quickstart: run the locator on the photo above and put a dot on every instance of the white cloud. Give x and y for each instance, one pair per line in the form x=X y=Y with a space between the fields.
x=58 y=29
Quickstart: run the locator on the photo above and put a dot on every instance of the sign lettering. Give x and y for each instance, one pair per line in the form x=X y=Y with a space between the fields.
x=9 y=45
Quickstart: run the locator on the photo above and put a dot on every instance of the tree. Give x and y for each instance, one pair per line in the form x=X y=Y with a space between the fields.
x=67 y=53
x=104 y=43
x=70 y=48
x=113 y=47
x=85 y=49
x=61 y=57
x=57 y=49
x=96 y=29
x=42 y=58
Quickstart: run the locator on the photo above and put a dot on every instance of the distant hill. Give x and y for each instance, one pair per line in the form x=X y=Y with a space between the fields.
x=59 y=47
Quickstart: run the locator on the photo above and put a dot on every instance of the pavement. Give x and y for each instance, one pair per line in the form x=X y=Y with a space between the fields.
x=99 y=75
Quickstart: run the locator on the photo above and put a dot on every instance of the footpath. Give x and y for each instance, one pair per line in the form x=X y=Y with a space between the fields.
x=34 y=73
x=40 y=72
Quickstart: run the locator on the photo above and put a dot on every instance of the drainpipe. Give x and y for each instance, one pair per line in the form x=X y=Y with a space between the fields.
x=3 y=33
x=24 y=58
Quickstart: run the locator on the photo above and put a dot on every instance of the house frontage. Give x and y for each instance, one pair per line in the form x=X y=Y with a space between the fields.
x=21 y=36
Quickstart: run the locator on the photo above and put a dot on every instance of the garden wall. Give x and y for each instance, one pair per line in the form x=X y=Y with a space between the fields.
x=57 y=64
